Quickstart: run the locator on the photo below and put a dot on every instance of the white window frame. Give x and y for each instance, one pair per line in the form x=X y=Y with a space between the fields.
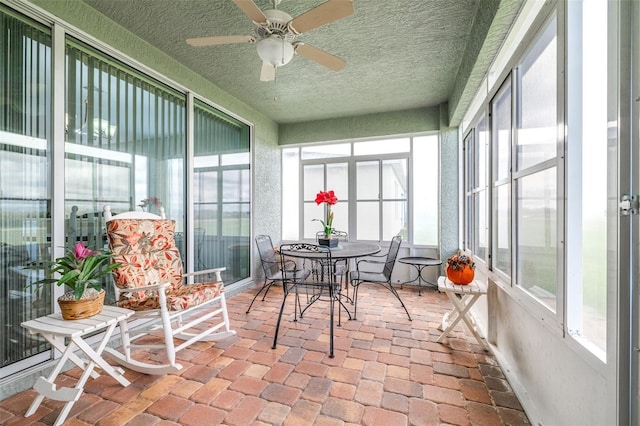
x=352 y=160
x=554 y=321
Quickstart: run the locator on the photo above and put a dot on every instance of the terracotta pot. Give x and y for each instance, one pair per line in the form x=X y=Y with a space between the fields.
x=461 y=276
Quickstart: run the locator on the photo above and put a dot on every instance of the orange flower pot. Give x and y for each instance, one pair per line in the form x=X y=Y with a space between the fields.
x=461 y=276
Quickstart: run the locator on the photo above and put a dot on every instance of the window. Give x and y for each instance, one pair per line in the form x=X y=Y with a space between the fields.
x=382 y=194
x=524 y=175
x=290 y=193
x=321 y=177
x=528 y=177
x=591 y=232
x=375 y=189
x=535 y=171
x=221 y=193
x=426 y=177
x=476 y=189
x=501 y=142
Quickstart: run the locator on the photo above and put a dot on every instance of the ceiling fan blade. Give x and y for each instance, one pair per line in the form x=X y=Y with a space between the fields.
x=327 y=12
x=251 y=10
x=268 y=72
x=320 y=56
x=212 y=41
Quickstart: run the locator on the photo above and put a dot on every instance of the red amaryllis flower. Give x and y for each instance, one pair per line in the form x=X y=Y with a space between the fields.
x=328 y=197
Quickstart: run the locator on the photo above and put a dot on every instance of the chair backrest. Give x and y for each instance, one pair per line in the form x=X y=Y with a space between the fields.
x=392 y=254
x=321 y=263
x=270 y=263
x=145 y=246
x=342 y=236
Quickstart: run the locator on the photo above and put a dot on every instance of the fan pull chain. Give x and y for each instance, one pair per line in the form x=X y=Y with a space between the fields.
x=275 y=85
x=275 y=71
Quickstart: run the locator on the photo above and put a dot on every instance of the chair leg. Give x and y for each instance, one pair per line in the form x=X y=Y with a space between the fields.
x=265 y=288
x=393 y=291
x=225 y=313
x=331 y=310
x=125 y=338
x=355 y=299
x=167 y=328
x=275 y=335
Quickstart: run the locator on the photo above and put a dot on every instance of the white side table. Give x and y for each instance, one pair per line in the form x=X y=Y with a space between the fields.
x=56 y=330
x=462 y=298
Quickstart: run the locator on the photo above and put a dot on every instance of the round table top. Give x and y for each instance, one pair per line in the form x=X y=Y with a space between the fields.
x=344 y=250
x=422 y=261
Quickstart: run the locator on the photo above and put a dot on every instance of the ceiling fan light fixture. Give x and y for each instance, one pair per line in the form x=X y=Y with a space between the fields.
x=275 y=51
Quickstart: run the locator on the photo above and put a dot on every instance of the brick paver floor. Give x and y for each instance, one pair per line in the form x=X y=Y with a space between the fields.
x=387 y=371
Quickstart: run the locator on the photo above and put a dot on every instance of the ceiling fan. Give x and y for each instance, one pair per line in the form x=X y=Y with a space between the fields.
x=276 y=31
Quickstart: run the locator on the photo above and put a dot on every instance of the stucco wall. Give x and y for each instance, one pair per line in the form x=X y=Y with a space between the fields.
x=449 y=187
x=371 y=125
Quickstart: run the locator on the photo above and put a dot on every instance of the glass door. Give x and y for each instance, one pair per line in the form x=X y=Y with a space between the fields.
x=25 y=201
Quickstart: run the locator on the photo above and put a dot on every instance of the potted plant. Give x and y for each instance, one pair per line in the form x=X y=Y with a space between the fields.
x=80 y=269
x=460 y=268
x=329 y=199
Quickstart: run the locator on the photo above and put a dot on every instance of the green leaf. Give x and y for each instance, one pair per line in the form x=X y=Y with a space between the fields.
x=79 y=289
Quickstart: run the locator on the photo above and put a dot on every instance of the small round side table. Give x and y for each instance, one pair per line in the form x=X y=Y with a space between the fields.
x=420 y=263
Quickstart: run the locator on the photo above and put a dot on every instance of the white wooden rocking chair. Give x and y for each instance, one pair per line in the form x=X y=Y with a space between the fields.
x=151 y=283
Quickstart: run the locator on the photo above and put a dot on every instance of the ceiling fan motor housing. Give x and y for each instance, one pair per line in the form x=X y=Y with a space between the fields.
x=277 y=24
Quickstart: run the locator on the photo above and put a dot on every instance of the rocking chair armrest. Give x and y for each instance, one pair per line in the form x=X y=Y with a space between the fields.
x=215 y=271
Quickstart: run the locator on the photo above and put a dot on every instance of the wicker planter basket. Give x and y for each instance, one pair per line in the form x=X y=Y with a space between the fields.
x=83 y=308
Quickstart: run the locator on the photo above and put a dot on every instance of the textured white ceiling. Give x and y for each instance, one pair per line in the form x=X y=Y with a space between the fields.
x=401 y=54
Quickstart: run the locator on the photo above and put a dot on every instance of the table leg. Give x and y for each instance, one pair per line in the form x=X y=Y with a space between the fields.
x=413 y=280
x=59 y=344
x=461 y=308
x=419 y=278
x=96 y=357
x=47 y=388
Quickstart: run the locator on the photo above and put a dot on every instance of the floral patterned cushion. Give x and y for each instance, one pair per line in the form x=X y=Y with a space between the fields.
x=148 y=254
x=147 y=251
x=129 y=236
x=182 y=298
